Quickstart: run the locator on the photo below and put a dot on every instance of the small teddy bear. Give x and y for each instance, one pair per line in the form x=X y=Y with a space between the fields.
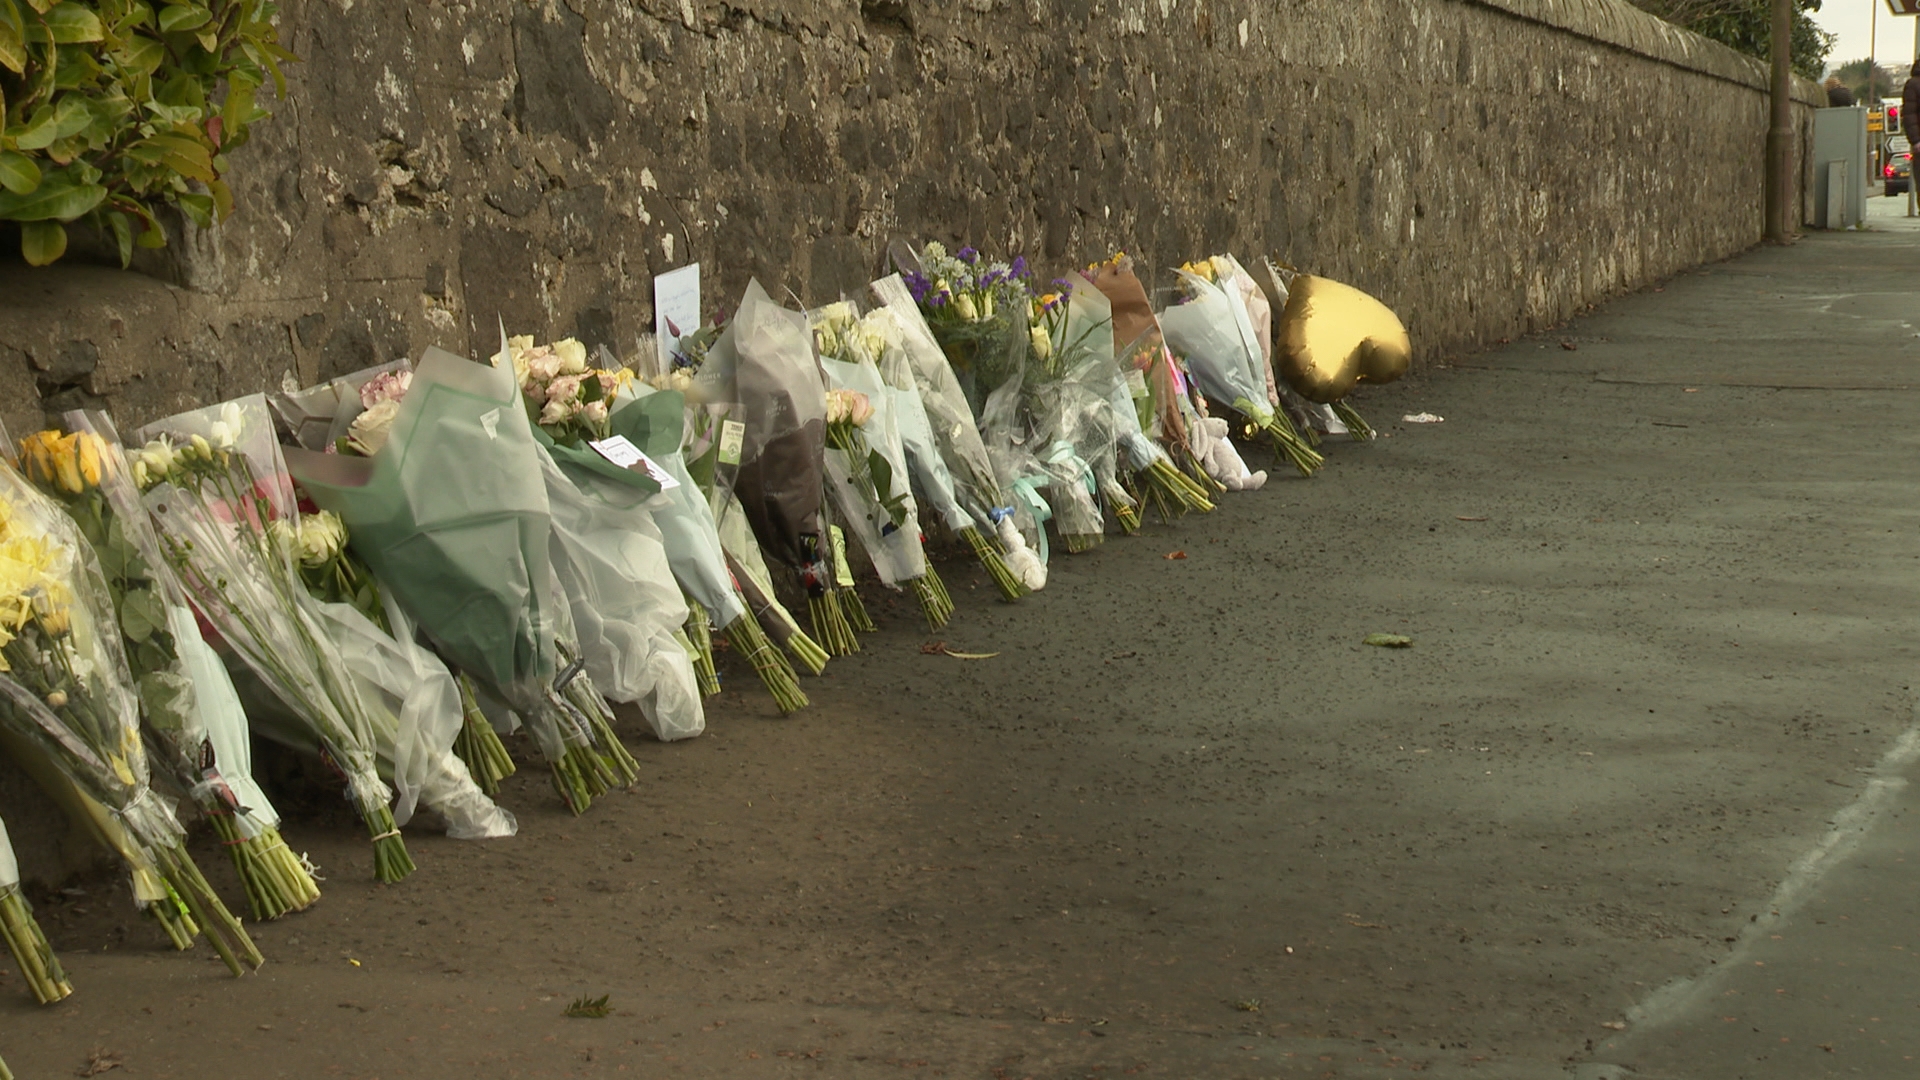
x=1218 y=457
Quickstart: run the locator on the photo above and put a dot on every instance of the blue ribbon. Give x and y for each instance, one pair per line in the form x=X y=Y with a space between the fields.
x=1026 y=491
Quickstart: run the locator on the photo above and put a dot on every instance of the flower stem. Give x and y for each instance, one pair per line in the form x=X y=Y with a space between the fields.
x=856 y=610
x=1357 y=429
x=391 y=863
x=276 y=881
x=830 y=623
x=223 y=931
x=749 y=640
x=592 y=708
x=806 y=651
x=995 y=565
x=31 y=953
x=478 y=745
x=699 y=645
x=1291 y=446
x=934 y=604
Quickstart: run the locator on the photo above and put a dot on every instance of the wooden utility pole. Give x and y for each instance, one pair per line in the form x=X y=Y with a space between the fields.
x=1780 y=128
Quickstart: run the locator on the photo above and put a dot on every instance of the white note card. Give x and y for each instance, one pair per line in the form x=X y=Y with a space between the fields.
x=621 y=451
x=676 y=309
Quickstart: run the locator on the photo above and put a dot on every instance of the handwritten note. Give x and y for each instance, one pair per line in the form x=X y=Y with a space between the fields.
x=676 y=309
x=621 y=451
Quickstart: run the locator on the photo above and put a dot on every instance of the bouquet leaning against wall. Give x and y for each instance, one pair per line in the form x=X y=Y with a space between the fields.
x=324 y=418
x=765 y=362
x=451 y=514
x=66 y=698
x=607 y=550
x=189 y=705
x=867 y=471
x=978 y=488
x=223 y=508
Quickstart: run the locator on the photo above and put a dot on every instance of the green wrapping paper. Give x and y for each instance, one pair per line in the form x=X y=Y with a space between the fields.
x=452 y=517
x=458 y=532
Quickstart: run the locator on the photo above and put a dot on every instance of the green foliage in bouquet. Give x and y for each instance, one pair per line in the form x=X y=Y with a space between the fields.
x=113 y=108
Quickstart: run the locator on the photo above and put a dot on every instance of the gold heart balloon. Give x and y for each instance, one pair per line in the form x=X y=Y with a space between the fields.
x=1333 y=336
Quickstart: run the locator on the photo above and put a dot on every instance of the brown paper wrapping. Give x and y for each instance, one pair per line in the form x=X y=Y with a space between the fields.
x=1137 y=342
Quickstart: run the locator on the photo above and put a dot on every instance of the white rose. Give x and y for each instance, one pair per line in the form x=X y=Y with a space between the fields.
x=595 y=412
x=369 y=431
x=572 y=354
x=322 y=536
x=554 y=412
x=1042 y=342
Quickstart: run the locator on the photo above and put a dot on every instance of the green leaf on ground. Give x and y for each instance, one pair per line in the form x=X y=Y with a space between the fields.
x=586 y=1008
x=1389 y=641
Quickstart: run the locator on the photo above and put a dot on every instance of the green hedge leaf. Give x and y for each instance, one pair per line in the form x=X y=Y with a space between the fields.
x=57 y=198
x=41 y=242
x=67 y=24
x=141 y=98
x=180 y=18
x=13 y=38
x=18 y=173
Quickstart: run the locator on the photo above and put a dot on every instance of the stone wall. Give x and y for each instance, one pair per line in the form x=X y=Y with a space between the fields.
x=1486 y=167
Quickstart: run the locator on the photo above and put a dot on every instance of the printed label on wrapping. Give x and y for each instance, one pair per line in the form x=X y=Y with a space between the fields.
x=733 y=434
x=623 y=453
x=842 y=572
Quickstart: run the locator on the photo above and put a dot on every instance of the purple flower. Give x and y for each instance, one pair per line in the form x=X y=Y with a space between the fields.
x=917 y=284
x=967 y=255
x=1019 y=267
x=938 y=299
x=991 y=278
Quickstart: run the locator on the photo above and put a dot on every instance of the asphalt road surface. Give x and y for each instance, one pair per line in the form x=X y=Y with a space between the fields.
x=1632 y=804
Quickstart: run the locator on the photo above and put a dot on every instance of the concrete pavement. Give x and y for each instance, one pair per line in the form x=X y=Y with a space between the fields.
x=1825 y=980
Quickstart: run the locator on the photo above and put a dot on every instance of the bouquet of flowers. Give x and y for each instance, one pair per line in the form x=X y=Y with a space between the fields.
x=324 y=417
x=976 y=310
x=1150 y=474
x=417 y=707
x=699 y=559
x=654 y=420
x=608 y=552
x=224 y=512
x=712 y=440
x=66 y=699
x=184 y=693
x=1212 y=331
x=764 y=361
x=1173 y=480
x=979 y=492
x=451 y=514
x=866 y=458
x=1069 y=399
x=31 y=953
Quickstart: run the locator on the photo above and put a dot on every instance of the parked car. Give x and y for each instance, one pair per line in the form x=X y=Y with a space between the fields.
x=1897 y=173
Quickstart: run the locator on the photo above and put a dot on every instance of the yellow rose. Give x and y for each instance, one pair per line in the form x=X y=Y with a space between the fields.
x=66 y=463
x=91 y=457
